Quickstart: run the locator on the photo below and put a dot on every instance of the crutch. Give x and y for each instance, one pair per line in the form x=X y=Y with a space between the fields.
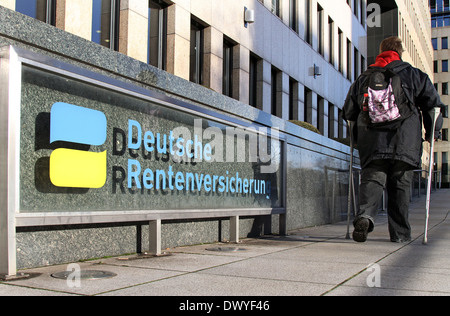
x=434 y=116
x=351 y=181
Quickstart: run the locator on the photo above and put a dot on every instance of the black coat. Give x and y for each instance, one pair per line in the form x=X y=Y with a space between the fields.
x=404 y=143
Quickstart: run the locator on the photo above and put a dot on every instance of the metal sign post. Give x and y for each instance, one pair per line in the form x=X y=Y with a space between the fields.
x=10 y=78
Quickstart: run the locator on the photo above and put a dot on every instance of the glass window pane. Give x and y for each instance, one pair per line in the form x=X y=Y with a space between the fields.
x=445 y=66
x=35 y=8
x=276 y=7
x=157 y=34
x=196 y=53
x=227 y=78
x=446 y=21
x=434 y=41
x=101 y=22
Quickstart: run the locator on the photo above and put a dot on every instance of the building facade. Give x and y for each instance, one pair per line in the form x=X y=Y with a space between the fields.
x=440 y=15
x=295 y=61
x=163 y=64
x=409 y=20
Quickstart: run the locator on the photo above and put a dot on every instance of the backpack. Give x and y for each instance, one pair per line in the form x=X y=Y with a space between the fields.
x=385 y=103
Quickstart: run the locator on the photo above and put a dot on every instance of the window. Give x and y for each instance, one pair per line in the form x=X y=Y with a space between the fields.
x=356 y=6
x=307 y=110
x=444 y=43
x=331 y=132
x=157 y=34
x=276 y=7
x=254 y=72
x=320 y=114
x=331 y=39
x=293 y=19
x=42 y=10
x=445 y=134
x=445 y=111
x=356 y=63
x=341 y=124
x=434 y=41
x=445 y=66
x=363 y=13
x=439 y=7
x=341 y=51
x=349 y=60
x=227 y=78
x=445 y=88
x=320 y=29
x=436 y=66
x=105 y=23
x=441 y=20
x=293 y=99
x=196 y=53
x=433 y=6
x=274 y=97
x=445 y=163
x=308 y=30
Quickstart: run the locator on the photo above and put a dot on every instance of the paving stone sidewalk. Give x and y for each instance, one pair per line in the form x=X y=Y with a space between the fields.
x=309 y=262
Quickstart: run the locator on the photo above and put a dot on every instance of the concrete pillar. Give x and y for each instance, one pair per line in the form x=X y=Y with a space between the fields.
x=301 y=102
x=283 y=97
x=241 y=73
x=10 y=4
x=234 y=229
x=264 y=85
x=75 y=17
x=213 y=59
x=178 y=41
x=154 y=237
x=133 y=33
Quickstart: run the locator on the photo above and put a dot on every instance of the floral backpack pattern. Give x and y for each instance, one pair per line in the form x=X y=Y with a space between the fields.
x=382 y=105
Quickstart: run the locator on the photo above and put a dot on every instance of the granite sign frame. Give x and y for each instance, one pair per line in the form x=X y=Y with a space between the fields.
x=119 y=137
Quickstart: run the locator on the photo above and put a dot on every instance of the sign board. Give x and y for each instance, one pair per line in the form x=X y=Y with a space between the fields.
x=86 y=148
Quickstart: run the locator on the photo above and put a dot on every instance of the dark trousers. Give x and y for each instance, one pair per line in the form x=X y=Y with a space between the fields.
x=396 y=176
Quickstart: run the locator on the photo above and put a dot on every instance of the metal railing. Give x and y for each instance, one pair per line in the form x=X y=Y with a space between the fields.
x=419 y=183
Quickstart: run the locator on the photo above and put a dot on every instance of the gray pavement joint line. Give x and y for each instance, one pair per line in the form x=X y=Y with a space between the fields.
x=203 y=269
x=166 y=278
x=41 y=289
x=386 y=256
x=181 y=274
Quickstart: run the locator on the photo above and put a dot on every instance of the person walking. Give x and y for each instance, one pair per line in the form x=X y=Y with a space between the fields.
x=389 y=103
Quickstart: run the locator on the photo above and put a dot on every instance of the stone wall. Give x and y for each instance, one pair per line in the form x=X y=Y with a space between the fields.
x=316 y=181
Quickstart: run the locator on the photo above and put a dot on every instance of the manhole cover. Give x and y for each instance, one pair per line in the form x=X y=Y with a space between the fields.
x=226 y=249
x=85 y=275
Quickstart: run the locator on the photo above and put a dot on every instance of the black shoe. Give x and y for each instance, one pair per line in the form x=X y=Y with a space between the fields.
x=361 y=230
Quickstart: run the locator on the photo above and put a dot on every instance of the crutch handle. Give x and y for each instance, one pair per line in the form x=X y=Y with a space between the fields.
x=434 y=115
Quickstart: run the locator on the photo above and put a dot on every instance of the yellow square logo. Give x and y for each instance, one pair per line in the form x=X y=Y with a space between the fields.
x=76 y=168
